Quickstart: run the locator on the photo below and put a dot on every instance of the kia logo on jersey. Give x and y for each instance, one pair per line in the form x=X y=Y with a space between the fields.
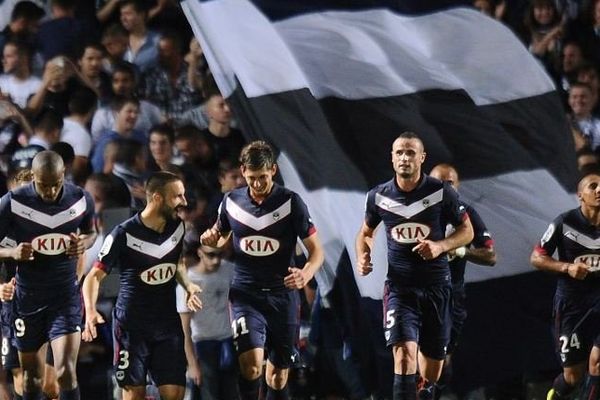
x=158 y=274
x=259 y=246
x=410 y=232
x=591 y=260
x=51 y=244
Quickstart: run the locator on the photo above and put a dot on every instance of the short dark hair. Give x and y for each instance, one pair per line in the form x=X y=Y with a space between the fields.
x=48 y=121
x=89 y=45
x=581 y=85
x=65 y=150
x=23 y=48
x=158 y=181
x=123 y=67
x=227 y=165
x=28 y=10
x=188 y=132
x=408 y=135
x=164 y=129
x=82 y=101
x=257 y=155
x=114 y=30
x=113 y=189
x=127 y=151
x=64 y=4
x=173 y=37
x=138 y=5
x=118 y=102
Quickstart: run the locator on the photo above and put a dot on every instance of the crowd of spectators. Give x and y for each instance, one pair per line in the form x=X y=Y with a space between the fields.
x=120 y=88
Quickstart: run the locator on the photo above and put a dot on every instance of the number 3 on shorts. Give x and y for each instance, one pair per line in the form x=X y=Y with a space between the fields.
x=123 y=359
x=19 y=327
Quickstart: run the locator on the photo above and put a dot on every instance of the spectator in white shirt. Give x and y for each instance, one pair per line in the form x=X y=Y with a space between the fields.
x=17 y=82
x=581 y=103
x=75 y=132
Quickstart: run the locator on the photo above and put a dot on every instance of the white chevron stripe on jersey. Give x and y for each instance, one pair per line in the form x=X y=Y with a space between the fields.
x=262 y=222
x=156 y=250
x=581 y=238
x=50 y=221
x=416 y=207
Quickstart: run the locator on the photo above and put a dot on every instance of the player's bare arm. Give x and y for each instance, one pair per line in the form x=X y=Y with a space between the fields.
x=477 y=255
x=23 y=252
x=429 y=249
x=89 y=290
x=544 y=262
x=213 y=237
x=192 y=290
x=298 y=278
x=364 y=245
x=194 y=372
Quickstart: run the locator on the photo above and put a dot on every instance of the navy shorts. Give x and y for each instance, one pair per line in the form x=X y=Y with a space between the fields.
x=459 y=315
x=40 y=317
x=419 y=315
x=577 y=329
x=264 y=319
x=10 y=355
x=139 y=353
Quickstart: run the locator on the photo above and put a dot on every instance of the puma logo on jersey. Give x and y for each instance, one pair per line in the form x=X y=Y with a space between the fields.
x=259 y=246
x=410 y=232
x=158 y=274
x=51 y=244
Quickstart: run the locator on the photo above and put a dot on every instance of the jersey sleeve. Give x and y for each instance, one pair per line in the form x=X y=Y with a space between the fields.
x=222 y=220
x=372 y=217
x=87 y=223
x=5 y=211
x=303 y=224
x=453 y=210
x=481 y=235
x=549 y=241
x=109 y=255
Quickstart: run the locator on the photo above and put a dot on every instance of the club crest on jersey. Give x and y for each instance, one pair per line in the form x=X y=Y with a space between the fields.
x=259 y=246
x=51 y=244
x=276 y=215
x=591 y=260
x=72 y=212
x=426 y=203
x=410 y=232
x=158 y=274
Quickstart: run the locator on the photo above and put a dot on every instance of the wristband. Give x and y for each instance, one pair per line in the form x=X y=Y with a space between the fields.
x=460 y=252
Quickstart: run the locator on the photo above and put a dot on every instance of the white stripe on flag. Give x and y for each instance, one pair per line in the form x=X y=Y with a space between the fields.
x=368 y=54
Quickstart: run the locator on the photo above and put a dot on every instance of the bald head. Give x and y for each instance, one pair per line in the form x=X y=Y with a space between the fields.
x=447 y=173
x=48 y=175
x=47 y=162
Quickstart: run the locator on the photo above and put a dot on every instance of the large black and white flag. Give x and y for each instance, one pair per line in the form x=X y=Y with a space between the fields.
x=332 y=88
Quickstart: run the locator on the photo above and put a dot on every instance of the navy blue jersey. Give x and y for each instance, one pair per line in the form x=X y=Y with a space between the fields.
x=147 y=261
x=576 y=240
x=481 y=239
x=422 y=213
x=25 y=217
x=264 y=235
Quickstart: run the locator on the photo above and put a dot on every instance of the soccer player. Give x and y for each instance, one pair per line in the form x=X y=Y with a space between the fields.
x=51 y=222
x=479 y=251
x=146 y=326
x=415 y=210
x=575 y=235
x=265 y=220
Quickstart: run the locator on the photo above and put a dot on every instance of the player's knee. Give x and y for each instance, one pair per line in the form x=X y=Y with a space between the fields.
x=251 y=372
x=278 y=379
x=50 y=389
x=404 y=356
x=31 y=381
x=66 y=376
x=594 y=367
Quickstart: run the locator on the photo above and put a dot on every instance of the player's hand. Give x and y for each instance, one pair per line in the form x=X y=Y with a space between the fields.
x=296 y=279
x=194 y=373
x=428 y=249
x=365 y=267
x=92 y=318
x=578 y=270
x=193 y=302
x=76 y=245
x=210 y=237
x=8 y=290
x=23 y=252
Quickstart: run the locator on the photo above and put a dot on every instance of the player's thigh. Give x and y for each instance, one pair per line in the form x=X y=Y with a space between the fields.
x=168 y=363
x=248 y=322
x=458 y=316
x=401 y=314
x=171 y=392
x=574 y=332
x=436 y=322
x=131 y=357
x=64 y=350
x=283 y=321
x=134 y=392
